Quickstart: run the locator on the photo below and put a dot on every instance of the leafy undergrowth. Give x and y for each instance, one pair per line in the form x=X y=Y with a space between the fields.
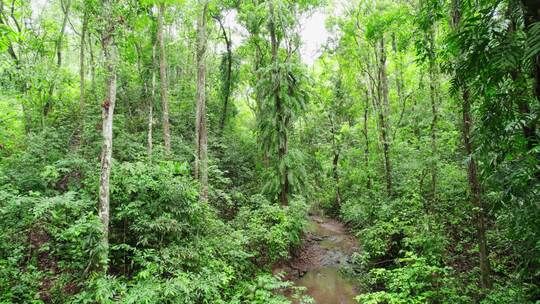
x=412 y=259
x=165 y=245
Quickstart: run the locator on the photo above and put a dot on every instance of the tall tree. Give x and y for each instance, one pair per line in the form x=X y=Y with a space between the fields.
x=475 y=190
x=433 y=97
x=163 y=78
x=201 y=134
x=227 y=71
x=151 y=101
x=283 y=141
x=58 y=50
x=82 y=68
x=384 y=114
x=109 y=51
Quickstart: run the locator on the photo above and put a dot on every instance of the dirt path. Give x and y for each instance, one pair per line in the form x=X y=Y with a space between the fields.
x=327 y=247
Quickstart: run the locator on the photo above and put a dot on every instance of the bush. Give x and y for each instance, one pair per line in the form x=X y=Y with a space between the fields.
x=271 y=229
x=47 y=245
x=414 y=281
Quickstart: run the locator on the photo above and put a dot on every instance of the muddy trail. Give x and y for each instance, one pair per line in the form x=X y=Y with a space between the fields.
x=326 y=250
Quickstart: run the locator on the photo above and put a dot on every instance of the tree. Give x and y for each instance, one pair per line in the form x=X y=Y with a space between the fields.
x=532 y=19
x=151 y=101
x=282 y=121
x=384 y=113
x=227 y=66
x=58 y=50
x=109 y=50
x=201 y=133
x=82 y=68
x=475 y=191
x=163 y=82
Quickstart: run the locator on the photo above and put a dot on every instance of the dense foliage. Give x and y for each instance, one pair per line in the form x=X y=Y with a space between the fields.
x=170 y=151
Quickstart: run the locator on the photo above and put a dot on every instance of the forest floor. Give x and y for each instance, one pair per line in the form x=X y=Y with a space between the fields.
x=317 y=265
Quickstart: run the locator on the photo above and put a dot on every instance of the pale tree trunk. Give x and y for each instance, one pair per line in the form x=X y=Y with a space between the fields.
x=109 y=50
x=201 y=134
x=472 y=171
x=399 y=72
x=149 y=96
x=151 y=103
x=82 y=69
x=384 y=116
x=163 y=78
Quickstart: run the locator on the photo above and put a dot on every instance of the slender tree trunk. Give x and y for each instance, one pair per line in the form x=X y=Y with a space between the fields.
x=82 y=69
x=433 y=99
x=366 y=140
x=109 y=50
x=151 y=101
x=529 y=128
x=58 y=49
x=335 y=162
x=399 y=72
x=228 y=77
x=475 y=192
x=201 y=158
x=532 y=15
x=92 y=65
x=163 y=78
x=384 y=116
x=472 y=174
x=61 y=36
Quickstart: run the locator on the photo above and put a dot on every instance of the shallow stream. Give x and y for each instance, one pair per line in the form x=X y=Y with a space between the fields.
x=327 y=249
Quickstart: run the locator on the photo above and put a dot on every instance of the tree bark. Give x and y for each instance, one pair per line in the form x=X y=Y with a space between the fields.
x=532 y=15
x=434 y=112
x=151 y=101
x=82 y=69
x=61 y=36
x=201 y=156
x=475 y=192
x=109 y=50
x=384 y=114
x=366 y=140
x=58 y=50
x=335 y=161
x=92 y=65
x=529 y=128
x=472 y=174
x=281 y=121
x=228 y=77
x=163 y=78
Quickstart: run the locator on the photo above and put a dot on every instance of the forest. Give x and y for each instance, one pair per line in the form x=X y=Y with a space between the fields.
x=270 y=151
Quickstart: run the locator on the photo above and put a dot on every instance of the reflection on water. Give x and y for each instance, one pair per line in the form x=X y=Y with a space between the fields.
x=328 y=247
x=327 y=286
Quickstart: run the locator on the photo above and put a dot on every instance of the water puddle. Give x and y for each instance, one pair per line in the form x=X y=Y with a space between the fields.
x=327 y=285
x=326 y=250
